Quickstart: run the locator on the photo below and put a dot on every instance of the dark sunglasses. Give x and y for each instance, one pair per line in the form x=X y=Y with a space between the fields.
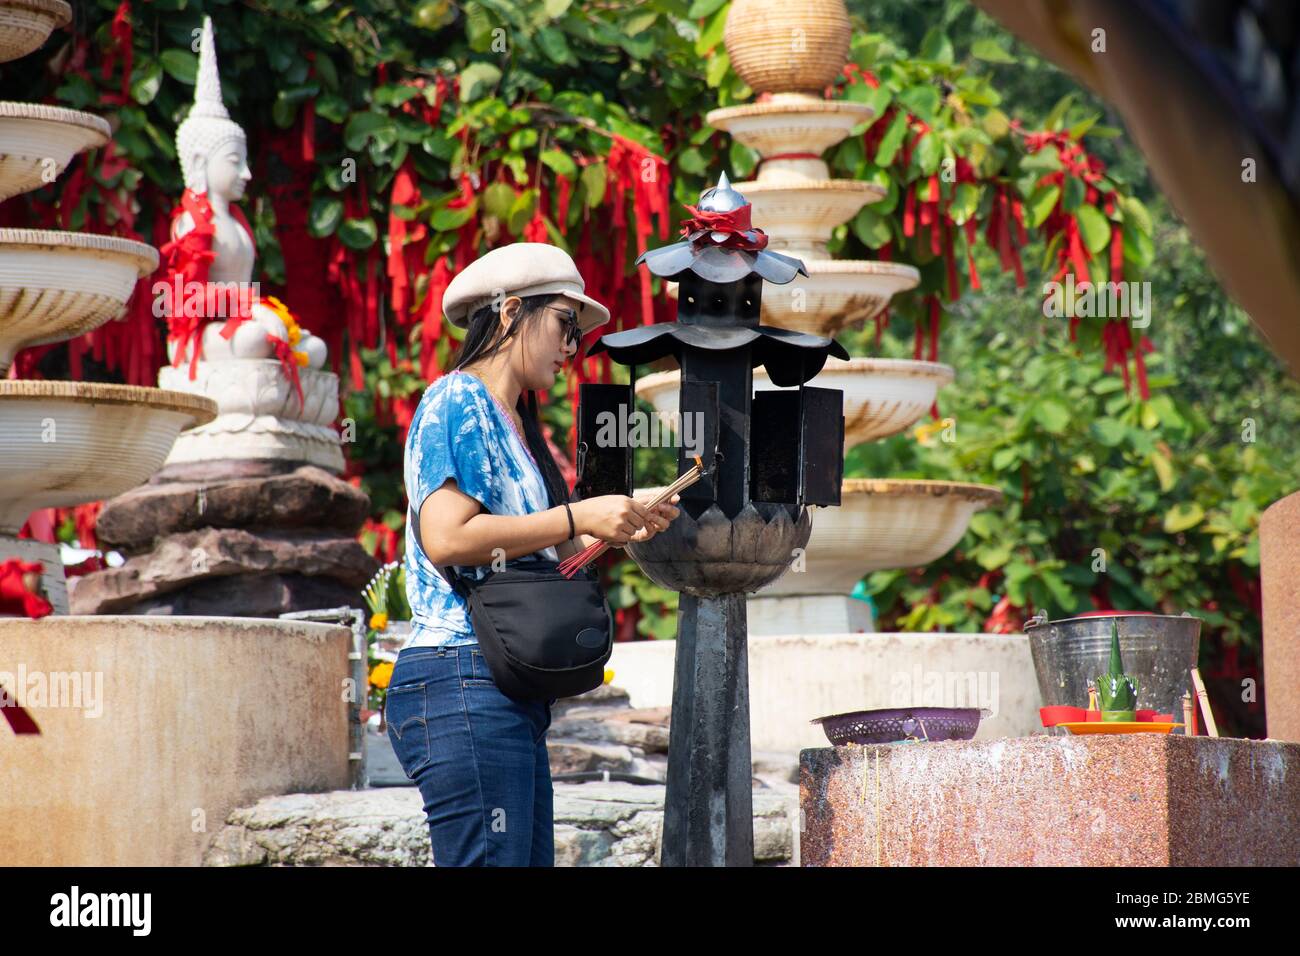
x=572 y=330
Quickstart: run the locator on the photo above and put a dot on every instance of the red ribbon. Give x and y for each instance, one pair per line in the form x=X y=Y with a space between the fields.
x=735 y=223
x=190 y=257
x=15 y=598
x=288 y=361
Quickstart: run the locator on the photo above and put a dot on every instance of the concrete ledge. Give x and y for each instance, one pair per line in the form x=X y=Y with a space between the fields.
x=171 y=723
x=1133 y=800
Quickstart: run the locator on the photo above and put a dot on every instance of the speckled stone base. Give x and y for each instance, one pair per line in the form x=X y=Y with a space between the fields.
x=1279 y=572
x=1132 y=800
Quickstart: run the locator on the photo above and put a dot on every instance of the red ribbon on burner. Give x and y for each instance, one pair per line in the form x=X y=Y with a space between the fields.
x=736 y=223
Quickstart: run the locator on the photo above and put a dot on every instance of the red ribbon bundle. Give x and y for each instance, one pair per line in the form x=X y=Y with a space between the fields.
x=288 y=361
x=736 y=223
x=190 y=257
x=15 y=598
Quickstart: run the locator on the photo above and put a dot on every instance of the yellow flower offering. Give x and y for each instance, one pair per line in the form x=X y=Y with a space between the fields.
x=381 y=674
x=609 y=674
x=290 y=323
x=379 y=621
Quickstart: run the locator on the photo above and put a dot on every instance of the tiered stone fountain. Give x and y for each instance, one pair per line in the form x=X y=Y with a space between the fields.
x=835 y=661
x=66 y=443
x=132 y=737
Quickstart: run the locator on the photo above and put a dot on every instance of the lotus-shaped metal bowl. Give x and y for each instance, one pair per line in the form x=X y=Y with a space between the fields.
x=714 y=554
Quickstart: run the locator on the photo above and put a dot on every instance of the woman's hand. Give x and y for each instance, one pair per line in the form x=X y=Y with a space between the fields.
x=611 y=518
x=659 y=517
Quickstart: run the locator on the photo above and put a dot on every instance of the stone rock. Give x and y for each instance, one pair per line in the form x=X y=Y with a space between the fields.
x=189 y=558
x=341 y=828
x=575 y=756
x=251 y=595
x=601 y=698
x=305 y=498
x=596 y=824
x=650 y=738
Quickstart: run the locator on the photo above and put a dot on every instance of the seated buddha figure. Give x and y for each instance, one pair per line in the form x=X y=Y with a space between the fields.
x=211 y=302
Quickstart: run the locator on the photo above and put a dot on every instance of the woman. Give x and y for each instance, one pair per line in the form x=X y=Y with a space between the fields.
x=484 y=489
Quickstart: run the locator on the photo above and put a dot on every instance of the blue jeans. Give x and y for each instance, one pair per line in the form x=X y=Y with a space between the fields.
x=478 y=757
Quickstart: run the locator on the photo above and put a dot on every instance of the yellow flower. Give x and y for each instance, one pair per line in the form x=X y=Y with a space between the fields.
x=379 y=620
x=925 y=433
x=301 y=358
x=381 y=674
x=609 y=674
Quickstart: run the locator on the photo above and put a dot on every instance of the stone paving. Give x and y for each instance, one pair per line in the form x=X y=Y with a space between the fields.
x=601 y=822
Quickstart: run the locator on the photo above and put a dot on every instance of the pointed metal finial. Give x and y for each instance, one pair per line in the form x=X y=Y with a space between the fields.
x=722 y=197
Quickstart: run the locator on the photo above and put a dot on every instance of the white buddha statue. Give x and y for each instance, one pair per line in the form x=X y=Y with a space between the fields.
x=213 y=153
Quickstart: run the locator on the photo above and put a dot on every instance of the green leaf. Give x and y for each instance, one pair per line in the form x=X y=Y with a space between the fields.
x=719 y=63
x=1109 y=432
x=1005 y=458
x=1057 y=115
x=445 y=219
x=1053 y=415
x=478 y=79
x=181 y=65
x=990 y=51
x=145 y=82
x=324 y=216
x=928 y=153
x=923 y=101
x=561 y=163
x=497 y=200
x=892 y=140
x=1164 y=470
x=332 y=108
x=521 y=211
x=593 y=181
x=358 y=234
x=965 y=200
x=871 y=228
x=555 y=46
x=711 y=35
x=1095 y=228
x=936 y=47
x=362 y=126
x=703 y=8
x=1041 y=204
x=1072 y=198
x=1183 y=516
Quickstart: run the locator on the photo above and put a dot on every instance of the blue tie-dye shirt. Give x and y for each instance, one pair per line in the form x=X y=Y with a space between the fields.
x=461 y=431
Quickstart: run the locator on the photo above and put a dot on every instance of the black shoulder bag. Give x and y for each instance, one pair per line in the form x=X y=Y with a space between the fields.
x=543 y=635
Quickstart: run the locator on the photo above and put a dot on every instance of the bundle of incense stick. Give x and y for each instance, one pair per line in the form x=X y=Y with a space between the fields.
x=571 y=566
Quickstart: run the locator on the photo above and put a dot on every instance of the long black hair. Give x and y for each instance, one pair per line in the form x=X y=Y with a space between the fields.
x=483 y=339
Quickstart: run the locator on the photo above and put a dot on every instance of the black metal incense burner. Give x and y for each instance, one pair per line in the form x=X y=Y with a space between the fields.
x=767 y=455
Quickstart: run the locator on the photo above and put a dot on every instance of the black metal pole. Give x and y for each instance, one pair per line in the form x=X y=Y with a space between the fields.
x=709 y=806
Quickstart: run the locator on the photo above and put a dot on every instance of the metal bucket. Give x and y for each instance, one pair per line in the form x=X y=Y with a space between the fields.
x=1158 y=649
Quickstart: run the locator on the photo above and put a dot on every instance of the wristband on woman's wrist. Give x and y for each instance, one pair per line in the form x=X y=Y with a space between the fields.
x=572 y=529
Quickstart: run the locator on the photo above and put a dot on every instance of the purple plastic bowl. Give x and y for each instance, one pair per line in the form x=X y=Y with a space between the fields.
x=901 y=723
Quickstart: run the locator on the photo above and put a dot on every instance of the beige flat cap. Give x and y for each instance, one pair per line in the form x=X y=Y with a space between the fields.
x=521 y=268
